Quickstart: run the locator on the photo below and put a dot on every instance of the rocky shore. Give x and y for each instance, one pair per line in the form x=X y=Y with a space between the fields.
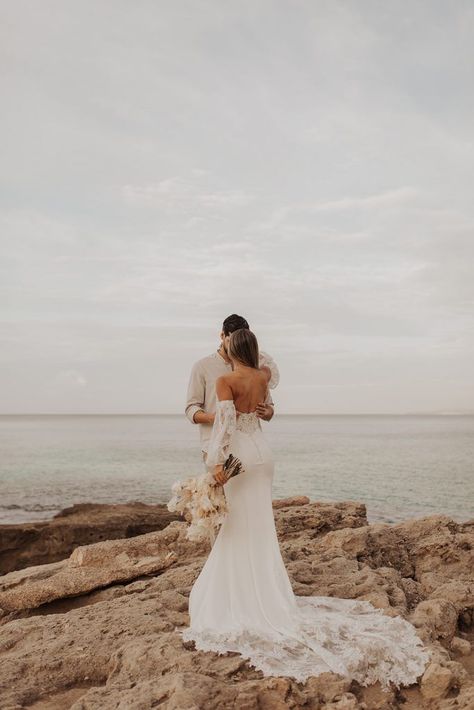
x=89 y=602
x=26 y=544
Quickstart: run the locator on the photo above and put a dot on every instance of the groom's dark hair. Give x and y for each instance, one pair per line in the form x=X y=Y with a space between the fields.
x=234 y=322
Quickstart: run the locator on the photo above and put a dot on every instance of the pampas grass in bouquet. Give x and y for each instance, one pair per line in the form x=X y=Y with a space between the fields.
x=201 y=501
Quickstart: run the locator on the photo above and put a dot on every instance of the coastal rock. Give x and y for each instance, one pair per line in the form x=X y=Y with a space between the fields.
x=26 y=544
x=438 y=617
x=436 y=681
x=461 y=646
x=463 y=701
x=317 y=518
x=117 y=647
x=294 y=500
x=87 y=568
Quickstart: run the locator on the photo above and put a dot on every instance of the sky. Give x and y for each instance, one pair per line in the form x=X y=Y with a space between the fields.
x=306 y=164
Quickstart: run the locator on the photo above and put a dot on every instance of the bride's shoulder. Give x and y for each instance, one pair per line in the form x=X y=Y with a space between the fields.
x=223 y=387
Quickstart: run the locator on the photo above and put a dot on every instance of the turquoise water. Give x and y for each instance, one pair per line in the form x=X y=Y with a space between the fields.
x=399 y=466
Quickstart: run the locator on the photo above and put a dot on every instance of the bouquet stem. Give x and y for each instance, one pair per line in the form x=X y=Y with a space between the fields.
x=232 y=466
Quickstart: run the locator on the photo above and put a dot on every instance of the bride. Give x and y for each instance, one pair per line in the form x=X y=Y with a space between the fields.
x=243 y=601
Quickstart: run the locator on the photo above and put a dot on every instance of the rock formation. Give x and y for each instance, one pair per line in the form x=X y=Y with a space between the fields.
x=96 y=630
x=26 y=544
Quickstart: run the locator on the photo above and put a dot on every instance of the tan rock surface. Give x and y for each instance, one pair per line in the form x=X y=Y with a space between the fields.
x=27 y=544
x=88 y=568
x=116 y=647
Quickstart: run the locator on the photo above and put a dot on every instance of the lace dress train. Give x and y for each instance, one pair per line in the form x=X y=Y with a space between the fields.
x=242 y=600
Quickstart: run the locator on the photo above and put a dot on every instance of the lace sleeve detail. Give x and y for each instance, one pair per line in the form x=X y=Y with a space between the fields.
x=266 y=359
x=222 y=430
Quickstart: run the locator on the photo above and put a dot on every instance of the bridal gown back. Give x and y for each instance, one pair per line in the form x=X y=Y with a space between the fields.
x=243 y=601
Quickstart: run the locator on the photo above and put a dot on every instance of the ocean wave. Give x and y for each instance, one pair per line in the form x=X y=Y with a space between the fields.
x=30 y=508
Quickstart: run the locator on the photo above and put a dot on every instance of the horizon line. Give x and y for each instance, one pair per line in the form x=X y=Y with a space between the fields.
x=285 y=414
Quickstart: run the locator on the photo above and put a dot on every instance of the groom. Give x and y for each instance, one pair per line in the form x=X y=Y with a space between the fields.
x=201 y=395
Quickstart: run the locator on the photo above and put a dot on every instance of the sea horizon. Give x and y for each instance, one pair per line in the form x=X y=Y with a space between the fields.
x=280 y=414
x=400 y=465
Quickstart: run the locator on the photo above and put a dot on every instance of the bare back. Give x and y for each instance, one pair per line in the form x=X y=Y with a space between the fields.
x=248 y=388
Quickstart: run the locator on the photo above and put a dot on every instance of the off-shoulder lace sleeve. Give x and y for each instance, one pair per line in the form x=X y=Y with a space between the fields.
x=266 y=359
x=222 y=430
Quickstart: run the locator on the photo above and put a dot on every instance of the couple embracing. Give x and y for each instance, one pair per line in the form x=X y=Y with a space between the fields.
x=242 y=599
x=221 y=365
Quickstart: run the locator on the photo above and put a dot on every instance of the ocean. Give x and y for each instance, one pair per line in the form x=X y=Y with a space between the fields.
x=399 y=466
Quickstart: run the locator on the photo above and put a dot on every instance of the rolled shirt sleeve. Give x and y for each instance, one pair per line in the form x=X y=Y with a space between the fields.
x=268 y=399
x=196 y=392
x=266 y=359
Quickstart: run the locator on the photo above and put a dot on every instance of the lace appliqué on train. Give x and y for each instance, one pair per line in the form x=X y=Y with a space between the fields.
x=345 y=636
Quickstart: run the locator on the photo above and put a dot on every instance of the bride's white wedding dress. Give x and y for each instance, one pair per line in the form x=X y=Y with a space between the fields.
x=243 y=601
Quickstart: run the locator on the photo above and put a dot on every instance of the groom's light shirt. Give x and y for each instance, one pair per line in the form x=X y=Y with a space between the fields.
x=202 y=387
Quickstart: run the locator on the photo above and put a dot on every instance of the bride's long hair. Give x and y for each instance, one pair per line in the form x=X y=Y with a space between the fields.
x=243 y=346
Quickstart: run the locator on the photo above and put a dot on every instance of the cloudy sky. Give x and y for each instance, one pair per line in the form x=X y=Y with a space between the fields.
x=307 y=164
